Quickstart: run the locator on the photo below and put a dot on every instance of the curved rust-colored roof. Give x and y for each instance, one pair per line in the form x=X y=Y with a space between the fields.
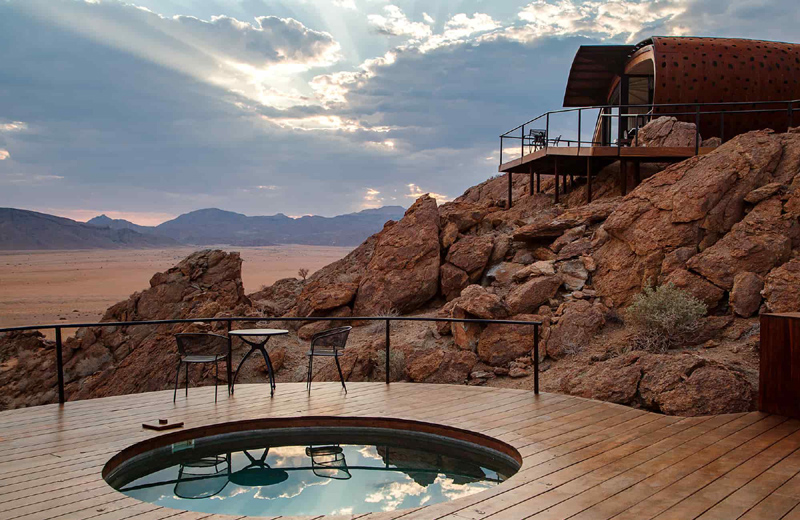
x=593 y=71
x=697 y=70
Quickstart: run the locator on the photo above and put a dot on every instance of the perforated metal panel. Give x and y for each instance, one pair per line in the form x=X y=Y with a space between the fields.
x=711 y=70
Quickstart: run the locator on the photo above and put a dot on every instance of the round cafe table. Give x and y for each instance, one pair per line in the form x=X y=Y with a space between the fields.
x=257 y=339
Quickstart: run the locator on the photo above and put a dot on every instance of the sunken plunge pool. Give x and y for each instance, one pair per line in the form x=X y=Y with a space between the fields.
x=311 y=466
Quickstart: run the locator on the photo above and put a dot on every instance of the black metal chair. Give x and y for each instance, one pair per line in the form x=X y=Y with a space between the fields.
x=199 y=348
x=328 y=343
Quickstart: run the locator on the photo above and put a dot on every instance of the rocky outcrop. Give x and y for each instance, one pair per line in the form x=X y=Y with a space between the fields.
x=669 y=132
x=780 y=288
x=278 y=298
x=470 y=254
x=692 y=205
x=576 y=326
x=682 y=384
x=335 y=282
x=27 y=370
x=527 y=297
x=551 y=225
x=111 y=360
x=403 y=273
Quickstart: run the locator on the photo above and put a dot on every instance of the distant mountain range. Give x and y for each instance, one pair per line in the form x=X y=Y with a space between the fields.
x=23 y=229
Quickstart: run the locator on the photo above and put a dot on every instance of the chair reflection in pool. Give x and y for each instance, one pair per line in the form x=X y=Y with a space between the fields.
x=328 y=462
x=203 y=478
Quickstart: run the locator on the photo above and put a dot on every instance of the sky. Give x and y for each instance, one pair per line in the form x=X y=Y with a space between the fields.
x=149 y=109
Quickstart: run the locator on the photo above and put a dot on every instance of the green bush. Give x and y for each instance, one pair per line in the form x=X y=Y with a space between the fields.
x=665 y=317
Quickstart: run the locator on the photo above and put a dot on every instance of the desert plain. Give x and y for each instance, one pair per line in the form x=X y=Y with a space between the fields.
x=38 y=287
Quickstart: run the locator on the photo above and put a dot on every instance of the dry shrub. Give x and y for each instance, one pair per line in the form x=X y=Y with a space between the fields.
x=665 y=317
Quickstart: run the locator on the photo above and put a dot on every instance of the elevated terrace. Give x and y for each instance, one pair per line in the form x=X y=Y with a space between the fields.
x=573 y=144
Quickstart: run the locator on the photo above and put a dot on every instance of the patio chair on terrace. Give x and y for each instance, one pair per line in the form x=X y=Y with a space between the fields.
x=200 y=348
x=328 y=343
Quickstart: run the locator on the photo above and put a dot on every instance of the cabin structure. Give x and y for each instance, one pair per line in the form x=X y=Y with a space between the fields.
x=723 y=86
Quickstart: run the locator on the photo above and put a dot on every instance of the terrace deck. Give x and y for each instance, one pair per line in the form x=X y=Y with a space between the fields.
x=582 y=458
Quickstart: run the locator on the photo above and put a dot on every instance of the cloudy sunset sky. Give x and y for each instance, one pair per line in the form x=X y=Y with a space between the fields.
x=149 y=109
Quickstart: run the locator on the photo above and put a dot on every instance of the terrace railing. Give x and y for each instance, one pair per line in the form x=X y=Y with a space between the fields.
x=548 y=129
x=229 y=321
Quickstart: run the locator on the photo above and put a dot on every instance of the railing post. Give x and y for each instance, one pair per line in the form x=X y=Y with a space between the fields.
x=388 y=375
x=60 y=366
x=501 y=150
x=522 y=145
x=536 y=359
x=697 y=130
x=580 y=110
x=547 y=130
x=229 y=359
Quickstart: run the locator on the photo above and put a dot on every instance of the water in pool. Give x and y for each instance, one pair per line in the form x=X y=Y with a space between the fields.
x=310 y=473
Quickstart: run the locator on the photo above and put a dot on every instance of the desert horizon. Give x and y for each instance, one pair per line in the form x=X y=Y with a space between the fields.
x=41 y=287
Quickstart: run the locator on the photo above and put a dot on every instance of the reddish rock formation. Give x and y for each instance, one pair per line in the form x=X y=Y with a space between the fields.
x=667 y=131
x=575 y=327
x=403 y=273
x=682 y=384
x=27 y=370
x=746 y=293
x=470 y=254
x=452 y=281
x=500 y=344
x=527 y=297
x=278 y=298
x=781 y=292
x=101 y=361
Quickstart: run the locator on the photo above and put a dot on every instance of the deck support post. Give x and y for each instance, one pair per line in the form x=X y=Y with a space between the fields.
x=510 y=186
x=637 y=173
x=623 y=176
x=538 y=182
x=555 y=170
x=530 y=170
x=588 y=180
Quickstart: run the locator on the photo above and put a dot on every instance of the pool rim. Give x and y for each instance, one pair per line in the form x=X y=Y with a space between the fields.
x=321 y=421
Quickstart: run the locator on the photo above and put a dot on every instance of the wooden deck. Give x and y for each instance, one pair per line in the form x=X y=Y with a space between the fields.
x=541 y=160
x=582 y=459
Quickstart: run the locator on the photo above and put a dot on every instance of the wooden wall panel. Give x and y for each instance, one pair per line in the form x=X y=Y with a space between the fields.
x=779 y=374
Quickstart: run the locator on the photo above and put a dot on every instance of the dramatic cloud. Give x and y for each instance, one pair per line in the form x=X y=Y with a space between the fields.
x=395 y=23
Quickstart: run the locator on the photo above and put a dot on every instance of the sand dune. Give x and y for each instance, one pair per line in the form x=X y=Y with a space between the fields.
x=77 y=286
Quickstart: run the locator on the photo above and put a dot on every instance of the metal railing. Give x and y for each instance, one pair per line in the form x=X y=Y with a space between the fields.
x=609 y=115
x=229 y=324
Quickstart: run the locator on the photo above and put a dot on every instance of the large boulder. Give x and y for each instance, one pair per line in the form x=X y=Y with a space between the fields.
x=527 y=297
x=761 y=241
x=440 y=366
x=471 y=254
x=666 y=131
x=746 y=293
x=403 y=273
x=697 y=286
x=780 y=288
x=452 y=280
x=577 y=325
x=479 y=302
x=500 y=344
x=690 y=205
x=335 y=279
x=681 y=384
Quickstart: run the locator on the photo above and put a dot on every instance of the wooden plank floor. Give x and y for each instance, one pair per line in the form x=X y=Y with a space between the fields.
x=582 y=459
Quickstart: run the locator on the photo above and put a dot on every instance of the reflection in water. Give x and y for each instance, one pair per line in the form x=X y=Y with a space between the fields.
x=253 y=478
